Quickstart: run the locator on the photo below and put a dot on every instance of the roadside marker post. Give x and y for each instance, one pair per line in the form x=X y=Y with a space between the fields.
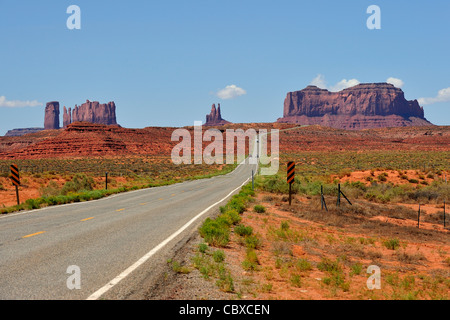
x=290 y=178
x=253 y=181
x=15 y=180
x=106 y=181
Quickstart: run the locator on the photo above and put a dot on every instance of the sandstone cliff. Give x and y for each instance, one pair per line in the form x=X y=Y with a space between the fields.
x=363 y=106
x=215 y=117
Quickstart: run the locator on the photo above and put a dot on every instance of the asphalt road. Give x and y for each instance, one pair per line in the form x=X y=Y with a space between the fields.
x=113 y=241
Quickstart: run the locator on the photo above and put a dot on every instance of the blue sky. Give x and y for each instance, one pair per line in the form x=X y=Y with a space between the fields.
x=164 y=62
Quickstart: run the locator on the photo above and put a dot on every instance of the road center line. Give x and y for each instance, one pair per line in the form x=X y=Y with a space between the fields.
x=118 y=210
x=33 y=234
x=87 y=219
x=148 y=255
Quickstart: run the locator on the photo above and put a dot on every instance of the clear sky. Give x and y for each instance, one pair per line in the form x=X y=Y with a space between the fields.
x=164 y=63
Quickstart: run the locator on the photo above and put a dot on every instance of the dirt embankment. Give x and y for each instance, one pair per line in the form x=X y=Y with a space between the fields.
x=304 y=252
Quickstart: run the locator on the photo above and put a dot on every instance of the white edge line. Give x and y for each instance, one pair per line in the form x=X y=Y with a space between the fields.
x=148 y=255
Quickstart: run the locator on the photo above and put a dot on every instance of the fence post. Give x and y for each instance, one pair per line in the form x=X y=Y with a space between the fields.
x=321 y=196
x=106 y=181
x=322 y=199
x=418 y=218
x=338 y=203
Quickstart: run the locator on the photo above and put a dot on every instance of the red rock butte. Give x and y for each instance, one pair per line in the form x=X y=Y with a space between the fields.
x=364 y=106
x=91 y=111
x=215 y=117
x=51 y=120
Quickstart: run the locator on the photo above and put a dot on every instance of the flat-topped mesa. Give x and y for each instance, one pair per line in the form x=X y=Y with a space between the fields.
x=367 y=105
x=215 y=117
x=22 y=131
x=91 y=111
x=51 y=120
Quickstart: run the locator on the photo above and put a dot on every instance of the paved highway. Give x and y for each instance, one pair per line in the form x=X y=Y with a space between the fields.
x=114 y=241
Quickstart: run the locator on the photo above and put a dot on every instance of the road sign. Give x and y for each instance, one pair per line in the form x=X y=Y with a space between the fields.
x=290 y=172
x=290 y=178
x=15 y=175
x=15 y=180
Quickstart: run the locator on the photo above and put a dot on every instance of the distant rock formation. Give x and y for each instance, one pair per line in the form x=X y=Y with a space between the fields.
x=67 y=117
x=364 y=106
x=22 y=131
x=215 y=117
x=51 y=120
x=92 y=112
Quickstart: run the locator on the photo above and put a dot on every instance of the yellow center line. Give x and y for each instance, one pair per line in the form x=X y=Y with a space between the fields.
x=143 y=204
x=118 y=210
x=173 y=194
x=34 y=234
x=87 y=219
x=161 y=199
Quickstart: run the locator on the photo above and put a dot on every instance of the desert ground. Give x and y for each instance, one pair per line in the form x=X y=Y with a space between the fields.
x=273 y=250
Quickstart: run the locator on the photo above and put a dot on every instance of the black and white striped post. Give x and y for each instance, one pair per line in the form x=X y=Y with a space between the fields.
x=290 y=178
x=15 y=180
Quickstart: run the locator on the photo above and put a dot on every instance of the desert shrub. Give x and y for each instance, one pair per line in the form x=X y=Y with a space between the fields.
x=329 y=265
x=356 y=269
x=259 y=208
x=219 y=256
x=392 y=244
x=409 y=258
x=79 y=183
x=357 y=185
x=32 y=204
x=296 y=280
x=233 y=216
x=52 y=189
x=215 y=233
x=303 y=265
x=225 y=281
x=243 y=230
x=424 y=193
x=202 y=247
x=284 y=226
x=251 y=261
x=252 y=242
x=274 y=184
x=238 y=205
